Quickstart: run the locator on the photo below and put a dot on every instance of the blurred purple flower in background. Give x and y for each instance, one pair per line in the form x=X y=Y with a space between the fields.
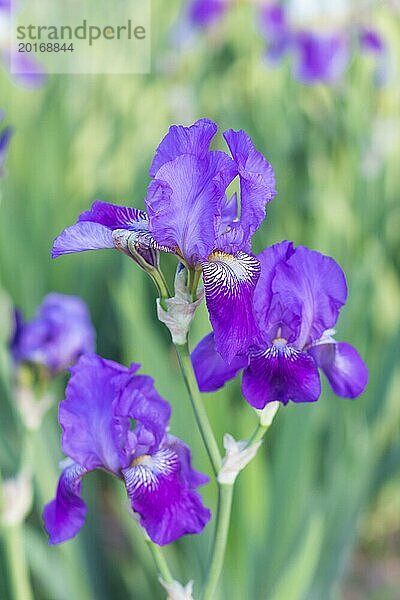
x=321 y=52
x=115 y=420
x=24 y=69
x=297 y=303
x=57 y=336
x=5 y=137
x=204 y=13
x=190 y=215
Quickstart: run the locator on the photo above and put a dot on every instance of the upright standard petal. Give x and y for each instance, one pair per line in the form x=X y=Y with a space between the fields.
x=211 y=371
x=316 y=283
x=82 y=236
x=281 y=373
x=93 y=435
x=269 y=259
x=229 y=283
x=257 y=180
x=194 y=140
x=343 y=367
x=65 y=515
x=140 y=401
x=184 y=201
x=160 y=492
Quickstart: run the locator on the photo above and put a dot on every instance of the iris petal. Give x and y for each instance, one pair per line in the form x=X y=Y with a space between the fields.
x=229 y=283
x=257 y=180
x=312 y=285
x=81 y=237
x=211 y=371
x=343 y=366
x=281 y=374
x=194 y=140
x=93 y=435
x=65 y=515
x=163 y=496
x=113 y=216
x=184 y=200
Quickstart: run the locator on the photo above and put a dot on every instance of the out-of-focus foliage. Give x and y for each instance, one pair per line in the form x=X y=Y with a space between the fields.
x=336 y=154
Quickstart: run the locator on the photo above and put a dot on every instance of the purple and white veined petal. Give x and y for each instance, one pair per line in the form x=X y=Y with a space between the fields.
x=184 y=201
x=317 y=284
x=194 y=140
x=211 y=371
x=168 y=507
x=229 y=283
x=257 y=180
x=65 y=515
x=114 y=216
x=82 y=236
x=279 y=374
x=343 y=367
x=93 y=435
x=191 y=476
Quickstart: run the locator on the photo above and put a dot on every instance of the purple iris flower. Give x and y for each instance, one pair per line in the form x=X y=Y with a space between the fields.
x=115 y=420
x=57 y=336
x=297 y=303
x=204 y=13
x=319 y=55
x=189 y=214
x=5 y=137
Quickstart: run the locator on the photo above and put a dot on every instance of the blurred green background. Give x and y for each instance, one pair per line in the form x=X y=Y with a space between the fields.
x=317 y=514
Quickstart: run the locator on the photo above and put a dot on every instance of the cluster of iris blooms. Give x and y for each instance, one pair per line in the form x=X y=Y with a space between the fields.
x=320 y=47
x=272 y=316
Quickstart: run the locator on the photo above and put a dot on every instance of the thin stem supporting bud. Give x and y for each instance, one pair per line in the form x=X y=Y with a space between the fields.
x=198 y=407
x=160 y=562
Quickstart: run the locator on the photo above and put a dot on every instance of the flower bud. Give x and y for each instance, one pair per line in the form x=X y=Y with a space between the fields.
x=237 y=457
x=17 y=499
x=180 y=309
x=268 y=413
x=176 y=591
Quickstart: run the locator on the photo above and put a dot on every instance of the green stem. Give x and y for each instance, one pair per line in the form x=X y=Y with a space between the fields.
x=198 y=407
x=20 y=586
x=161 y=285
x=225 y=495
x=193 y=282
x=160 y=562
x=258 y=434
